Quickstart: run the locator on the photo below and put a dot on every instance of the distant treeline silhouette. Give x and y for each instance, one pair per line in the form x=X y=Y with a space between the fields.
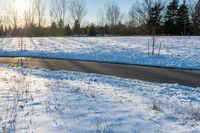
x=147 y=17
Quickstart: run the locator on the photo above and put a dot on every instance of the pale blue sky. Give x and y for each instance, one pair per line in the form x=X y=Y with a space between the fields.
x=94 y=5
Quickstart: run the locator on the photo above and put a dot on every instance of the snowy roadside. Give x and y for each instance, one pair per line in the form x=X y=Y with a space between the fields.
x=181 y=52
x=39 y=100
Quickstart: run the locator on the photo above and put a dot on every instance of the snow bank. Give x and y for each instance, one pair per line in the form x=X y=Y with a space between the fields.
x=39 y=100
x=181 y=52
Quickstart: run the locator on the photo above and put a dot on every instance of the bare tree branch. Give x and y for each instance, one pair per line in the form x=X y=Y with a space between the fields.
x=100 y=18
x=110 y=14
x=77 y=10
x=40 y=7
x=58 y=9
x=139 y=12
x=12 y=16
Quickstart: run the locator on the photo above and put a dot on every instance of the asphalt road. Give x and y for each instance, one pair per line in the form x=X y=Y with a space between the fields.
x=151 y=74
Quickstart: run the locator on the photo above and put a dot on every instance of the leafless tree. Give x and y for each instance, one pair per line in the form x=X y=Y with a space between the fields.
x=77 y=10
x=194 y=8
x=191 y=6
x=100 y=18
x=29 y=15
x=112 y=13
x=58 y=9
x=140 y=10
x=40 y=7
x=12 y=14
x=132 y=16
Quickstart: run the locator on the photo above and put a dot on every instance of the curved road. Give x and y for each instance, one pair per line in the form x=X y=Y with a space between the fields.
x=151 y=74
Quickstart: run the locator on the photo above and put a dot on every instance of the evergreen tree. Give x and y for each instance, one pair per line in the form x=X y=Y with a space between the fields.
x=92 y=30
x=61 y=30
x=196 y=19
x=107 y=29
x=61 y=24
x=68 y=30
x=121 y=29
x=77 y=28
x=100 y=30
x=1 y=30
x=154 y=21
x=6 y=31
x=183 y=19
x=171 y=18
x=54 y=29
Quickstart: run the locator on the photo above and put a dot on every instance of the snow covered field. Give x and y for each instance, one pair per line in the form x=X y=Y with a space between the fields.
x=43 y=101
x=182 y=52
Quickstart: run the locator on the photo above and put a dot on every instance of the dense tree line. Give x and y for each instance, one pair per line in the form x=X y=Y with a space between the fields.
x=149 y=17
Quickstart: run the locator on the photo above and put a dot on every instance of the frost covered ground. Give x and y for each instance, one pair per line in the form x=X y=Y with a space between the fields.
x=42 y=101
x=182 y=52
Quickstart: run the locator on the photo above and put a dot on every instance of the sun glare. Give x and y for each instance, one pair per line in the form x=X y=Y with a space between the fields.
x=22 y=6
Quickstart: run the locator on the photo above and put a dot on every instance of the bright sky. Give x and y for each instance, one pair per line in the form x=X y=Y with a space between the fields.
x=92 y=6
x=95 y=5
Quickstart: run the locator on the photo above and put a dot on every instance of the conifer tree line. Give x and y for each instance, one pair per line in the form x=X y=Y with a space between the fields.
x=67 y=18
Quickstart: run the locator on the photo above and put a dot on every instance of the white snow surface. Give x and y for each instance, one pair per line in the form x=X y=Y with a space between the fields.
x=181 y=52
x=36 y=100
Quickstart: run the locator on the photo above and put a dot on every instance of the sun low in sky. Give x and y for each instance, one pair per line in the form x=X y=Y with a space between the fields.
x=22 y=6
